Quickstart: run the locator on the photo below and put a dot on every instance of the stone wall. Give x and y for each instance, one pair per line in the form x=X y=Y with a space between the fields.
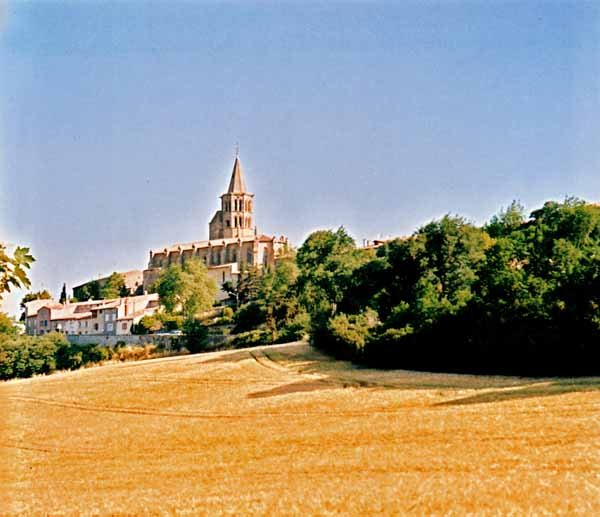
x=167 y=341
x=100 y=339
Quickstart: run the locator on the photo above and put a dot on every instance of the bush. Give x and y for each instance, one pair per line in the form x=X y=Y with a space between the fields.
x=170 y=322
x=347 y=335
x=147 y=325
x=195 y=335
x=24 y=356
x=252 y=338
x=249 y=316
x=295 y=330
x=133 y=353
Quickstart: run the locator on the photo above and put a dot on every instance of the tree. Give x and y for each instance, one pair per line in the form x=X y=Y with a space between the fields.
x=13 y=268
x=508 y=220
x=114 y=286
x=327 y=262
x=278 y=297
x=89 y=291
x=246 y=288
x=63 y=294
x=7 y=324
x=186 y=288
x=147 y=324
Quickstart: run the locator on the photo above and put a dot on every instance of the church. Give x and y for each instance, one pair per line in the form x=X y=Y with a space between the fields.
x=233 y=240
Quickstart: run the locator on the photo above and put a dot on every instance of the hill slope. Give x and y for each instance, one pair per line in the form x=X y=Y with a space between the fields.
x=286 y=430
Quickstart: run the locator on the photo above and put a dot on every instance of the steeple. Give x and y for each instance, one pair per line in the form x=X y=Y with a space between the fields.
x=235 y=218
x=237 y=184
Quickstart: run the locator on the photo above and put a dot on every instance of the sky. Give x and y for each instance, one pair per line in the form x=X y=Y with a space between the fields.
x=119 y=120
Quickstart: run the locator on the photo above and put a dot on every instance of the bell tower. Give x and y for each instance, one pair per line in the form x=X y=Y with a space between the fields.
x=235 y=218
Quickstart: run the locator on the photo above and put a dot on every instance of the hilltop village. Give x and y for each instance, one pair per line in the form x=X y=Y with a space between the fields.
x=233 y=244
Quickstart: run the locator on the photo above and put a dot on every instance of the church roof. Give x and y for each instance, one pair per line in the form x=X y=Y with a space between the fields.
x=179 y=247
x=237 y=183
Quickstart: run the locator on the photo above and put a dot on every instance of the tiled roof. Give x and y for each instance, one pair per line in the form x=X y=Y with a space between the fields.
x=237 y=184
x=32 y=307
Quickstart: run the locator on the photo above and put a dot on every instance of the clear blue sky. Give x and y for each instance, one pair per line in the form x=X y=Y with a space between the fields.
x=118 y=121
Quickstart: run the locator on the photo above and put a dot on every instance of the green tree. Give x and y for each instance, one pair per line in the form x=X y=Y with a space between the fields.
x=278 y=297
x=507 y=220
x=327 y=262
x=7 y=324
x=63 y=294
x=13 y=268
x=114 y=286
x=147 y=324
x=246 y=288
x=89 y=291
x=186 y=288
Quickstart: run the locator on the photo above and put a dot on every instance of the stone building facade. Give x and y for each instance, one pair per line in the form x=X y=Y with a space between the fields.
x=233 y=243
x=113 y=317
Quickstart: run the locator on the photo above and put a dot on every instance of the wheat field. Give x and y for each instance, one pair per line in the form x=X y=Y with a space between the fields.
x=284 y=430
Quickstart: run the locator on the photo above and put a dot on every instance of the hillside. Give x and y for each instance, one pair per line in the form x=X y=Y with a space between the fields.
x=286 y=430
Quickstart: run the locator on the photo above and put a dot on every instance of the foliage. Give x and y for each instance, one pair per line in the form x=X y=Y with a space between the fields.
x=516 y=296
x=252 y=338
x=195 y=335
x=24 y=356
x=348 y=335
x=226 y=316
x=329 y=263
x=63 y=294
x=249 y=316
x=148 y=324
x=186 y=288
x=274 y=307
x=88 y=291
x=246 y=288
x=13 y=269
x=170 y=322
x=114 y=287
x=7 y=324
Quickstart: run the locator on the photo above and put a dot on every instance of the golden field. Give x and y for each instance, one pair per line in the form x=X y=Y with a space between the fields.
x=285 y=430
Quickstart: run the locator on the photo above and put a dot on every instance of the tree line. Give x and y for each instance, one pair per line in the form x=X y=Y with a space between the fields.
x=517 y=295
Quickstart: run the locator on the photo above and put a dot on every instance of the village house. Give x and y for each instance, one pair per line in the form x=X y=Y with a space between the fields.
x=113 y=317
x=233 y=242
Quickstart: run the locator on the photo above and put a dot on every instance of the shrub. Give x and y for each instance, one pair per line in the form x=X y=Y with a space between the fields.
x=147 y=325
x=252 y=338
x=133 y=353
x=24 y=356
x=195 y=335
x=249 y=316
x=170 y=322
x=349 y=334
x=295 y=330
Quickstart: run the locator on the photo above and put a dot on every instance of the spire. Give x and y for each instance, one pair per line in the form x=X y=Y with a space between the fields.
x=237 y=183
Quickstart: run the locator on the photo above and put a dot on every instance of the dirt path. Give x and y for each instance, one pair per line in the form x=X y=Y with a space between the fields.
x=285 y=430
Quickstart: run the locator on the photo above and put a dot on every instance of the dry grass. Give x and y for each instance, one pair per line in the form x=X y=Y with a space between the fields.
x=282 y=430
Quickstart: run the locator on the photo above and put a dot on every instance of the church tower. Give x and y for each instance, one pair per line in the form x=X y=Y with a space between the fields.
x=235 y=218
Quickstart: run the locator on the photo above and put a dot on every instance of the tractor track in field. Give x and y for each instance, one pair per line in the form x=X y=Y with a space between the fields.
x=146 y=411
